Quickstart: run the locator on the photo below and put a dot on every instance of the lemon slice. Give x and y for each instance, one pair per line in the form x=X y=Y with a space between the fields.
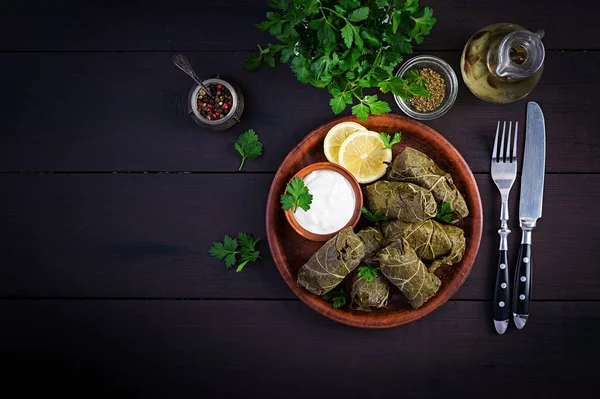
x=336 y=136
x=364 y=154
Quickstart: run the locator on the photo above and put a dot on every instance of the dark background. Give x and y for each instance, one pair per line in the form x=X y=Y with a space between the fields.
x=111 y=197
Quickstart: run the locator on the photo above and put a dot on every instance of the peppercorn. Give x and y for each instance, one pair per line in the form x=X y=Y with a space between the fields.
x=216 y=106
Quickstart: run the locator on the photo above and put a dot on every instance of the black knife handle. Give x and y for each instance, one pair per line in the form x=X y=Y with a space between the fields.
x=502 y=290
x=522 y=286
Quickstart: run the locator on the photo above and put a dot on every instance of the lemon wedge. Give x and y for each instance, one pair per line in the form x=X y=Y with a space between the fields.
x=364 y=154
x=336 y=136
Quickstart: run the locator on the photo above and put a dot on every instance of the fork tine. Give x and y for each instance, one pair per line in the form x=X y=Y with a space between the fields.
x=501 y=155
x=508 y=156
x=514 y=154
x=494 y=151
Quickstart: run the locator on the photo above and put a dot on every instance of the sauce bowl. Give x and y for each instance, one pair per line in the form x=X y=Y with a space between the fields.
x=358 y=196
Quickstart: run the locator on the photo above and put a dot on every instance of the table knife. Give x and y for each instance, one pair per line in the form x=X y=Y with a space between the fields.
x=530 y=208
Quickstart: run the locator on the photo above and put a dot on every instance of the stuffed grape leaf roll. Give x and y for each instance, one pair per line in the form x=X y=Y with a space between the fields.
x=415 y=167
x=432 y=241
x=368 y=294
x=402 y=267
x=327 y=267
x=373 y=241
x=404 y=201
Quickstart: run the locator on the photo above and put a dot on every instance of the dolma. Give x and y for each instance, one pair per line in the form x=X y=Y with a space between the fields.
x=366 y=295
x=372 y=240
x=415 y=167
x=332 y=262
x=404 y=201
x=402 y=267
x=432 y=241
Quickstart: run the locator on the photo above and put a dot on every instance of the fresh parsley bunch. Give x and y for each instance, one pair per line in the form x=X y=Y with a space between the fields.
x=347 y=46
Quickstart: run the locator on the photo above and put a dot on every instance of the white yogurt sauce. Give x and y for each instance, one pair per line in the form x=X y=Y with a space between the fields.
x=332 y=205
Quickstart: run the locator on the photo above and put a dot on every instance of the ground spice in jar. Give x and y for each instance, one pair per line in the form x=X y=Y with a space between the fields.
x=436 y=87
x=216 y=106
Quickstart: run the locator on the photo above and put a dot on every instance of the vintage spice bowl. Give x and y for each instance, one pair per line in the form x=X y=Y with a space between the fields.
x=358 y=196
x=451 y=82
x=233 y=117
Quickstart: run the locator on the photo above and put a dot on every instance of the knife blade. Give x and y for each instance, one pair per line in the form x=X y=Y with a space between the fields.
x=530 y=208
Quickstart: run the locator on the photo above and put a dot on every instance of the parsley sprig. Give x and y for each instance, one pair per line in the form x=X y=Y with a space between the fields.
x=444 y=212
x=388 y=141
x=347 y=46
x=337 y=296
x=297 y=196
x=367 y=272
x=238 y=251
x=373 y=217
x=248 y=146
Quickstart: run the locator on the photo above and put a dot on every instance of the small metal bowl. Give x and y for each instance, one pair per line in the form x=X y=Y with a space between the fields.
x=451 y=82
x=230 y=119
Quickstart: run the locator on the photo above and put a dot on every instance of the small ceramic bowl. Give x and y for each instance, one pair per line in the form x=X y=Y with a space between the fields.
x=451 y=82
x=230 y=119
x=289 y=215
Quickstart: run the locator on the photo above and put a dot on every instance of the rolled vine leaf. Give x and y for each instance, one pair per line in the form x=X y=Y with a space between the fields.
x=372 y=240
x=402 y=267
x=404 y=201
x=332 y=262
x=432 y=241
x=413 y=166
x=369 y=294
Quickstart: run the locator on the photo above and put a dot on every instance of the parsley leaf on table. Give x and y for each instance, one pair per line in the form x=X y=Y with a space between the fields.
x=240 y=251
x=388 y=141
x=373 y=217
x=248 y=146
x=337 y=296
x=297 y=196
x=367 y=272
x=225 y=250
x=444 y=212
x=247 y=251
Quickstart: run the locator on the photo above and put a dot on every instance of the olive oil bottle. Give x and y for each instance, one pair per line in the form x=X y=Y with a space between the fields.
x=502 y=63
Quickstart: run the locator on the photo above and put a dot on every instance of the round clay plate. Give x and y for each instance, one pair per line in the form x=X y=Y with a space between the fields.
x=290 y=250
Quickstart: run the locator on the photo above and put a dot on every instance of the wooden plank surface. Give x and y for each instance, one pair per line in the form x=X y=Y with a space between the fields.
x=147 y=235
x=106 y=286
x=266 y=349
x=126 y=112
x=31 y=25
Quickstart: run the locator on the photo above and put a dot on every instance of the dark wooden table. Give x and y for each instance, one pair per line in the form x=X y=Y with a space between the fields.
x=111 y=196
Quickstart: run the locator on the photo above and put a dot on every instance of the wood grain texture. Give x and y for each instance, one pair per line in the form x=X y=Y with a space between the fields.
x=230 y=25
x=243 y=349
x=147 y=235
x=127 y=112
x=90 y=87
x=290 y=251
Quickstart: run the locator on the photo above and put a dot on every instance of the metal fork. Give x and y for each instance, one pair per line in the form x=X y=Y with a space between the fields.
x=504 y=173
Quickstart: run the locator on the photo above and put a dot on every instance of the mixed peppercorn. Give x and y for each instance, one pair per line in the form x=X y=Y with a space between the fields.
x=217 y=105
